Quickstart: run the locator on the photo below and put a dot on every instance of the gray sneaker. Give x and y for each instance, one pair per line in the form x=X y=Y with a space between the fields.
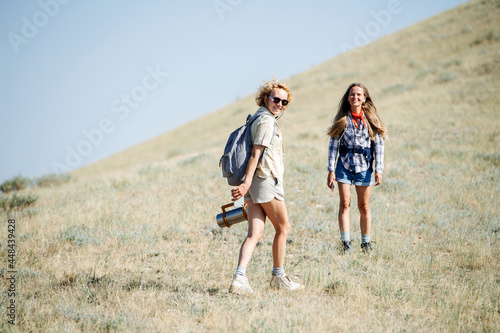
x=346 y=246
x=285 y=282
x=240 y=285
x=366 y=247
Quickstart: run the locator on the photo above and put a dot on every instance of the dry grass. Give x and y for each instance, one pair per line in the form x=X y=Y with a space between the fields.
x=131 y=243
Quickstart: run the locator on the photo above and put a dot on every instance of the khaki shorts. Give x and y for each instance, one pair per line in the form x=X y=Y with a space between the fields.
x=264 y=190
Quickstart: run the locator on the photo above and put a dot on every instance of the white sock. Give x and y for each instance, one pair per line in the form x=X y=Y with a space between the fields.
x=278 y=271
x=365 y=238
x=240 y=270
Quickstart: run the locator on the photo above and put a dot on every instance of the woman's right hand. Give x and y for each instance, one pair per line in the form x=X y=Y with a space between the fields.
x=239 y=191
x=331 y=179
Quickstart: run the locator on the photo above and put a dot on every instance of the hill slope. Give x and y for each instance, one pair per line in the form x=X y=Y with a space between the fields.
x=131 y=243
x=444 y=65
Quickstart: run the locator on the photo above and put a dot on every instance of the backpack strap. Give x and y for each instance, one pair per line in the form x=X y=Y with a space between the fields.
x=250 y=120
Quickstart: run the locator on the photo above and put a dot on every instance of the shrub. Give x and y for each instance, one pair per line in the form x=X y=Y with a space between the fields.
x=413 y=64
x=152 y=172
x=493 y=159
x=452 y=62
x=445 y=77
x=398 y=88
x=52 y=180
x=79 y=235
x=17 y=201
x=14 y=184
x=425 y=72
x=490 y=36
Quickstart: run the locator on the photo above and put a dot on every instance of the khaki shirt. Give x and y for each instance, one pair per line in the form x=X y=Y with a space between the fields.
x=272 y=163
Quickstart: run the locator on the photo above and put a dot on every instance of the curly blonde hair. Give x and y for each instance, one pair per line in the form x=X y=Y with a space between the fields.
x=267 y=87
x=375 y=124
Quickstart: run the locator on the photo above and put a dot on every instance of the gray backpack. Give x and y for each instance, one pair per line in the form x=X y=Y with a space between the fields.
x=237 y=152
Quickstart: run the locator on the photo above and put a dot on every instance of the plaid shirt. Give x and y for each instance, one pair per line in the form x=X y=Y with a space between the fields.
x=356 y=138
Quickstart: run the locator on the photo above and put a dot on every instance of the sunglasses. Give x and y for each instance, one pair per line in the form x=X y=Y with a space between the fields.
x=277 y=100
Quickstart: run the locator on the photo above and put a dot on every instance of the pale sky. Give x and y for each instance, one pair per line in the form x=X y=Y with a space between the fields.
x=82 y=80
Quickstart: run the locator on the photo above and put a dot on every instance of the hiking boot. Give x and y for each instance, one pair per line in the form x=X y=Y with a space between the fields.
x=346 y=246
x=366 y=247
x=285 y=282
x=240 y=285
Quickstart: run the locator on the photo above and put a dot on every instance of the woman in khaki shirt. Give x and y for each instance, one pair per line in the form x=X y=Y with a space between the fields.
x=263 y=188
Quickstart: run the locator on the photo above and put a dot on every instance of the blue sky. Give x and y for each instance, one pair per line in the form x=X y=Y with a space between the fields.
x=82 y=80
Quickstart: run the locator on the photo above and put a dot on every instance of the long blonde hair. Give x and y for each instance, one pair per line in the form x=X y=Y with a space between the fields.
x=375 y=124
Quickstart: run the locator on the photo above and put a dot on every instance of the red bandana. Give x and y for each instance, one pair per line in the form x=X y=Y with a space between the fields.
x=358 y=116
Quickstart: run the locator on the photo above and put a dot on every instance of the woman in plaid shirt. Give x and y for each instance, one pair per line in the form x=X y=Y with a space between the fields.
x=357 y=136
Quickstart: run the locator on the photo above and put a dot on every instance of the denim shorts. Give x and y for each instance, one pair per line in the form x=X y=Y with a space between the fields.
x=363 y=178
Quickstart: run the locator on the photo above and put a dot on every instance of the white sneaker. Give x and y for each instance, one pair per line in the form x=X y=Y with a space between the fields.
x=285 y=282
x=240 y=285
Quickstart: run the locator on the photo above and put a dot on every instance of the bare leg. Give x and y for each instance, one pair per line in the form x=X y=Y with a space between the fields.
x=277 y=214
x=256 y=222
x=365 y=220
x=344 y=206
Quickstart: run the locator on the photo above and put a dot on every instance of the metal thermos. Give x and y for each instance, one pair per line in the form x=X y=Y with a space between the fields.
x=229 y=217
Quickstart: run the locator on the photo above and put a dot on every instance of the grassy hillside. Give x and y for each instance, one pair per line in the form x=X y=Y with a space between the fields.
x=444 y=62
x=131 y=244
